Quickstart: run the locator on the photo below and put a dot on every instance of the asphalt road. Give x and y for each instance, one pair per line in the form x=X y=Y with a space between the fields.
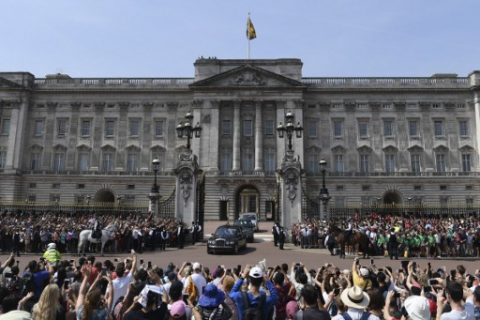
x=263 y=248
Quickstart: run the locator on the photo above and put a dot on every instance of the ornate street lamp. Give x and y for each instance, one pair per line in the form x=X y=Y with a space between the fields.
x=324 y=196
x=185 y=129
x=289 y=128
x=156 y=167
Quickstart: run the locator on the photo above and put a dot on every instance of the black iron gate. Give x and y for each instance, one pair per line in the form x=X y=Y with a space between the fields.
x=310 y=207
x=166 y=208
x=200 y=210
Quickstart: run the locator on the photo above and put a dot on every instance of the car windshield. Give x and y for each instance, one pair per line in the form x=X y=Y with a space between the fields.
x=249 y=217
x=244 y=223
x=226 y=232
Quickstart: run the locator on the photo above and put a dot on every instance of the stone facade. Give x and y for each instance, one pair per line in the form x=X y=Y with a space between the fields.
x=386 y=140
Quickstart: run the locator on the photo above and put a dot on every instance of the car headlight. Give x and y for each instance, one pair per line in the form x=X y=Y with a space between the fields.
x=211 y=241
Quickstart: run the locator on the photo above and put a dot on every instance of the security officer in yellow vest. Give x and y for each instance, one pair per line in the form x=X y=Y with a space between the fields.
x=52 y=256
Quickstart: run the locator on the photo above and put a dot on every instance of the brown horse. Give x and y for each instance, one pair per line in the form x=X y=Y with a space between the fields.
x=357 y=240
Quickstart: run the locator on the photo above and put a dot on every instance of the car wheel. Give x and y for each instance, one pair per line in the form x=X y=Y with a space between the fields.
x=235 y=249
x=209 y=251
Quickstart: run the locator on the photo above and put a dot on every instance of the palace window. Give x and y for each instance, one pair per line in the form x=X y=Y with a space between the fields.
x=107 y=161
x=226 y=160
x=35 y=160
x=363 y=128
x=313 y=166
x=388 y=128
x=364 y=163
x=312 y=128
x=61 y=127
x=5 y=129
x=3 y=158
x=38 y=128
x=134 y=127
x=132 y=161
x=83 y=161
x=109 y=128
x=338 y=128
x=247 y=160
x=226 y=127
x=413 y=128
x=390 y=162
x=440 y=162
x=269 y=161
x=338 y=162
x=247 y=128
x=466 y=162
x=415 y=162
x=85 y=127
x=438 y=128
x=269 y=127
x=463 y=128
x=59 y=161
x=159 y=127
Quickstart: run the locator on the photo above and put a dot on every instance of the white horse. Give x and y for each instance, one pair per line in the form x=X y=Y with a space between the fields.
x=85 y=236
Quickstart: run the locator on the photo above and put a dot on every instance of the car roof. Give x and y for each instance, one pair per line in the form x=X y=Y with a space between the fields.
x=228 y=226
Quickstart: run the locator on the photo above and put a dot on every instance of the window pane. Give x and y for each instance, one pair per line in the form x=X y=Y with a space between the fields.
x=338 y=128
x=35 y=161
x=159 y=127
x=269 y=127
x=438 y=127
x=59 y=161
x=109 y=128
x=440 y=162
x=38 y=131
x=247 y=128
x=226 y=127
x=5 y=126
x=61 y=127
x=363 y=129
x=269 y=161
x=339 y=165
x=390 y=163
x=247 y=160
x=388 y=128
x=463 y=124
x=415 y=163
x=312 y=129
x=107 y=161
x=364 y=163
x=83 y=161
x=85 y=128
x=3 y=159
x=413 y=128
x=132 y=161
x=466 y=165
x=226 y=160
x=134 y=127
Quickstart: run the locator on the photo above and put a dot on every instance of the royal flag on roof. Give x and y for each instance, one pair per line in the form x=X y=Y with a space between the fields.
x=251 y=34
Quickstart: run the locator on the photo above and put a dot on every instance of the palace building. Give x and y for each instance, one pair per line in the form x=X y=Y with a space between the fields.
x=387 y=141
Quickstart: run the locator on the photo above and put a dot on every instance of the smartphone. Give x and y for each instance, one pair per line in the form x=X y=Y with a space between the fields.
x=72 y=261
x=433 y=282
x=104 y=272
x=371 y=261
x=149 y=264
x=141 y=261
x=115 y=260
x=336 y=291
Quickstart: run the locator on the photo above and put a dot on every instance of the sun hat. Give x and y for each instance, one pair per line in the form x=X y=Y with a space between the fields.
x=51 y=246
x=177 y=309
x=211 y=297
x=417 y=307
x=354 y=297
x=256 y=272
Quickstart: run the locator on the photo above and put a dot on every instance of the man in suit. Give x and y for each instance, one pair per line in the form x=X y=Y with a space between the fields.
x=180 y=235
x=164 y=235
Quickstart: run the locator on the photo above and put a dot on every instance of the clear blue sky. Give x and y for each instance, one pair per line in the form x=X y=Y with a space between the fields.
x=162 y=38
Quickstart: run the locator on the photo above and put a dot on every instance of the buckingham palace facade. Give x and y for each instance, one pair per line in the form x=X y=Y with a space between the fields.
x=387 y=140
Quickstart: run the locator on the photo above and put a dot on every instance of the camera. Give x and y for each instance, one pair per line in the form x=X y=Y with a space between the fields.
x=336 y=291
x=433 y=282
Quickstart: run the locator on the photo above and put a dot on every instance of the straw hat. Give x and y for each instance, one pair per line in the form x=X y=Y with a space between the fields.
x=354 y=297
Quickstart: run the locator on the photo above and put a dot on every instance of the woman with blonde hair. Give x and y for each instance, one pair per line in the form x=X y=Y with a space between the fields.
x=48 y=306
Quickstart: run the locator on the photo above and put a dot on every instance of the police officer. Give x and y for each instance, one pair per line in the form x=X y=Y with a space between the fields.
x=281 y=237
x=276 y=233
x=164 y=235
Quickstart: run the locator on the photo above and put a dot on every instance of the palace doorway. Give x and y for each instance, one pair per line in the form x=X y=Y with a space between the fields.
x=247 y=200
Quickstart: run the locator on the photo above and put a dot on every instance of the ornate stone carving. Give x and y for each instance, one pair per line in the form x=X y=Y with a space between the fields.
x=248 y=78
x=185 y=178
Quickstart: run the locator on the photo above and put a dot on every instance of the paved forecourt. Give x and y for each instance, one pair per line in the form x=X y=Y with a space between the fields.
x=263 y=248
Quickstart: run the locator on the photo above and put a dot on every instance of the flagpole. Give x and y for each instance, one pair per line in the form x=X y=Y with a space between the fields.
x=248 y=38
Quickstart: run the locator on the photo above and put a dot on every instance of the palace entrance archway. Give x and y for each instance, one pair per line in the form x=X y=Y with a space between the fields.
x=104 y=195
x=247 y=199
x=392 y=198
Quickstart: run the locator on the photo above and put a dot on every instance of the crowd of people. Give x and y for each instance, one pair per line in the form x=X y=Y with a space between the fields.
x=31 y=231
x=415 y=235
x=88 y=289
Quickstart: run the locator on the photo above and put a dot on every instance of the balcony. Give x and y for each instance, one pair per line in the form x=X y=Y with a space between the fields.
x=112 y=83
x=383 y=82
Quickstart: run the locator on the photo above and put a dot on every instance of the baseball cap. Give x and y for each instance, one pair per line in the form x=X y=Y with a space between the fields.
x=196 y=265
x=256 y=272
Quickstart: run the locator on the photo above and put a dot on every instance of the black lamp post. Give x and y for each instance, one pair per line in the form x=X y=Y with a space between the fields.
x=289 y=128
x=186 y=129
x=156 y=167
x=324 y=196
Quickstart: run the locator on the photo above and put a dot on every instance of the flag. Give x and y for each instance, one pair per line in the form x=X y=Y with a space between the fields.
x=251 y=34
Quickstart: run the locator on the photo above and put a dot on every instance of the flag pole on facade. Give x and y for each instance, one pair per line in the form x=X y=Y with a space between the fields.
x=251 y=34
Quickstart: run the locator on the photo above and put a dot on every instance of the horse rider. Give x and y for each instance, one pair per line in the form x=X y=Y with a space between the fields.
x=96 y=228
x=349 y=230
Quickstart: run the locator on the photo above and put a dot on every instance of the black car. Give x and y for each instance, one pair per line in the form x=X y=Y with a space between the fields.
x=248 y=228
x=227 y=238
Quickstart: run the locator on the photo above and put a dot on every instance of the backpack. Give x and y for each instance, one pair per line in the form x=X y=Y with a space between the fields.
x=254 y=312
x=365 y=316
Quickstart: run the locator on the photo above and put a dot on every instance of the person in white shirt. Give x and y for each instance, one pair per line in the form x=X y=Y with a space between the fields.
x=197 y=278
x=454 y=296
x=120 y=284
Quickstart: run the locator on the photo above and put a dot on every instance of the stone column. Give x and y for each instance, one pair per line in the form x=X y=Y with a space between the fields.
x=236 y=136
x=476 y=101
x=16 y=134
x=258 y=138
x=186 y=172
x=153 y=205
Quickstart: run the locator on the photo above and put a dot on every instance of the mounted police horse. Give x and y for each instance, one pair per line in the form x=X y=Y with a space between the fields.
x=358 y=241
x=85 y=237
